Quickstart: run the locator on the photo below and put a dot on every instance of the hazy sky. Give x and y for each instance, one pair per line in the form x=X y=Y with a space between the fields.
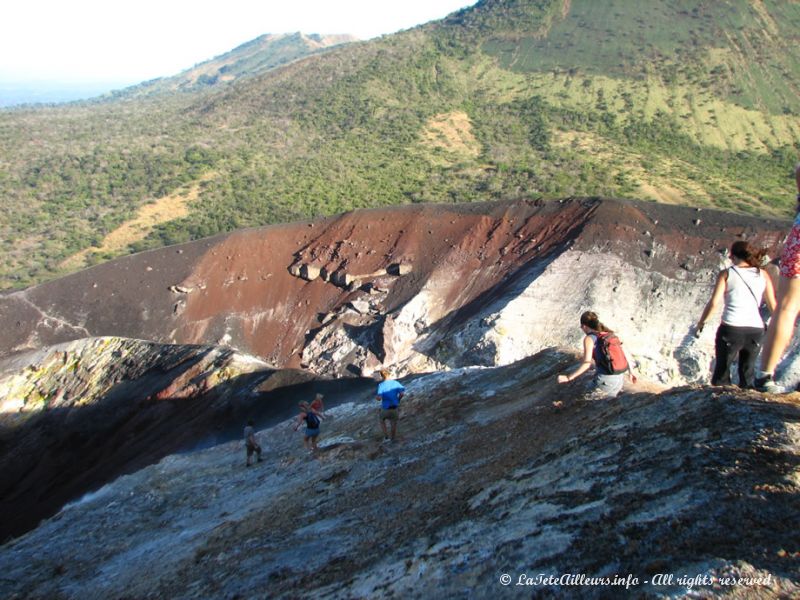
x=129 y=42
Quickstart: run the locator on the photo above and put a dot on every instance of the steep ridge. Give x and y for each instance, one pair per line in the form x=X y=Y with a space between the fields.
x=413 y=287
x=251 y=59
x=488 y=478
x=75 y=416
x=499 y=470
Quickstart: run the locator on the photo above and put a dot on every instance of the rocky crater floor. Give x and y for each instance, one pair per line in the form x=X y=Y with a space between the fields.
x=488 y=479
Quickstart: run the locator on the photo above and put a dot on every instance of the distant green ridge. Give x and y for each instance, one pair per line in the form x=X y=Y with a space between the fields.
x=685 y=101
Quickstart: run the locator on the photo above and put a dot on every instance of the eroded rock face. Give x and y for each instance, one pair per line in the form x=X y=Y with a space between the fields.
x=75 y=416
x=416 y=288
x=488 y=478
x=499 y=469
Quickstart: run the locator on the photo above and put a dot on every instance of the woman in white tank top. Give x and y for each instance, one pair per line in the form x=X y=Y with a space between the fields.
x=741 y=288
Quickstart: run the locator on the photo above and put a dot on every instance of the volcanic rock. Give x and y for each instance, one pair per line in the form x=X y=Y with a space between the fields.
x=75 y=416
x=499 y=470
x=655 y=494
x=488 y=284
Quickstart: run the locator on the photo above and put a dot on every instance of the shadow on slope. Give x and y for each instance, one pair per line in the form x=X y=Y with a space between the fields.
x=112 y=406
x=488 y=477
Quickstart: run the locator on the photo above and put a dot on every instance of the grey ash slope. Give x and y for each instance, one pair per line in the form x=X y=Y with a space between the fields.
x=488 y=478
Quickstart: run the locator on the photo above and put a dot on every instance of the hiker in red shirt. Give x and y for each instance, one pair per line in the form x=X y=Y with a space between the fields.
x=317 y=406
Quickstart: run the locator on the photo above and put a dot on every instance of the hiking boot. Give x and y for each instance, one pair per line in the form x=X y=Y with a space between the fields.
x=767 y=384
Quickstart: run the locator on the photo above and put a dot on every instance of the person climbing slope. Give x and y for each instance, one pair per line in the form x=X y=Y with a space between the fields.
x=312 y=421
x=317 y=405
x=389 y=394
x=250 y=443
x=602 y=348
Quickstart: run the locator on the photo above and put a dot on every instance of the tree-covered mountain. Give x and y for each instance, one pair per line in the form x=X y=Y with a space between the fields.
x=689 y=101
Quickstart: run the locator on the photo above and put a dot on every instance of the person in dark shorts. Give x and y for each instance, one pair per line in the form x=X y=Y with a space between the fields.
x=312 y=420
x=250 y=443
x=389 y=394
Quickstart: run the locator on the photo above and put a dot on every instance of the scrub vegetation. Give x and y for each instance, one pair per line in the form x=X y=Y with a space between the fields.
x=690 y=102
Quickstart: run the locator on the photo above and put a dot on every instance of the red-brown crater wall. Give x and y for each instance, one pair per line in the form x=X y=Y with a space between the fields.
x=236 y=289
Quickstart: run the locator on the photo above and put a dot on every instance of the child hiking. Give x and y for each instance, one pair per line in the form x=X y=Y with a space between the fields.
x=317 y=406
x=602 y=348
x=250 y=443
x=312 y=420
x=389 y=394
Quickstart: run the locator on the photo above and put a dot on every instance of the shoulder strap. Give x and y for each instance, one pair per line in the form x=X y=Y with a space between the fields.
x=752 y=293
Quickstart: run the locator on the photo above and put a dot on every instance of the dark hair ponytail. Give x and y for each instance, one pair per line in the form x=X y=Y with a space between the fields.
x=743 y=250
x=592 y=321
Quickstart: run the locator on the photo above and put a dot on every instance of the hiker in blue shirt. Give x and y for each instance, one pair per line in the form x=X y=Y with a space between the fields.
x=390 y=392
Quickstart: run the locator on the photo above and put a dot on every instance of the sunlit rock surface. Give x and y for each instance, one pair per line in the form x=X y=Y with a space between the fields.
x=124 y=390
x=488 y=478
x=75 y=416
x=417 y=288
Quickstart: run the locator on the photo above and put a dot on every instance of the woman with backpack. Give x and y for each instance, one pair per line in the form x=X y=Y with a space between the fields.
x=741 y=288
x=312 y=420
x=602 y=348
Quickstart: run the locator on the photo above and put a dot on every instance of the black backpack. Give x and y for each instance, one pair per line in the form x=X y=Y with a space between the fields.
x=312 y=420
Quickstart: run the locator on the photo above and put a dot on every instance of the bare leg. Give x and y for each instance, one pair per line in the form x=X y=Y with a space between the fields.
x=797 y=176
x=394 y=428
x=781 y=327
x=383 y=426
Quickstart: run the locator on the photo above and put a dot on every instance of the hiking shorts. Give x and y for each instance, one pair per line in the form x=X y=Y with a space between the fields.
x=605 y=386
x=790 y=256
x=251 y=448
x=312 y=432
x=389 y=414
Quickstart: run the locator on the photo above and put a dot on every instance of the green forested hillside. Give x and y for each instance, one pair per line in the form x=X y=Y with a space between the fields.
x=683 y=101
